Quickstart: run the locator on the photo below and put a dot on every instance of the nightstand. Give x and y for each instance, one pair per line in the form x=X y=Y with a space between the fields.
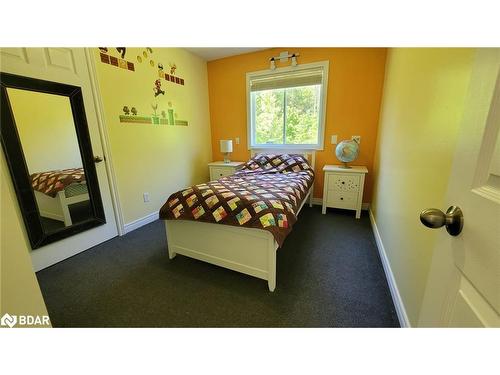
x=220 y=169
x=343 y=187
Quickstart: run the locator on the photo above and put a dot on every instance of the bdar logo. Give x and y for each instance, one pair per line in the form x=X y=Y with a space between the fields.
x=8 y=320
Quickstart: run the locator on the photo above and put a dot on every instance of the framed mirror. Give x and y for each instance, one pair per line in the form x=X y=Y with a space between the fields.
x=46 y=141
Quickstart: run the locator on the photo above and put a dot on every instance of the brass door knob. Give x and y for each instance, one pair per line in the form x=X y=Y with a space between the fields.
x=98 y=159
x=435 y=218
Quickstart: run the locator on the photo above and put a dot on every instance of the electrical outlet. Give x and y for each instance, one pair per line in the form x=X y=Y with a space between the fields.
x=284 y=56
x=145 y=197
x=356 y=138
x=334 y=139
x=237 y=139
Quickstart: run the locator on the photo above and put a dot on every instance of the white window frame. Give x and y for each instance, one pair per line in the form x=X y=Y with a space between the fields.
x=322 y=109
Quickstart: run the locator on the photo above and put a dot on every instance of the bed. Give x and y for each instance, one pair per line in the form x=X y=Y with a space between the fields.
x=56 y=190
x=249 y=250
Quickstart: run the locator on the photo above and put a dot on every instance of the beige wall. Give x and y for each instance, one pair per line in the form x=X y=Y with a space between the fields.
x=423 y=100
x=19 y=290
x=46 y=129
x=157 y=159
x=147 y=158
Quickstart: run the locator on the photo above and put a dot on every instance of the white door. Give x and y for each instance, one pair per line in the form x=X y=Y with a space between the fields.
x=463 y=288
x=69 y=66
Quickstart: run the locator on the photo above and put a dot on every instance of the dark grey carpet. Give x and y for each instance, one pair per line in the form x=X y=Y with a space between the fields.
x=328 y=275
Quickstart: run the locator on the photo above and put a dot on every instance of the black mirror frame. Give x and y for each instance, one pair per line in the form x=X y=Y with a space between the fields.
x=16 y=161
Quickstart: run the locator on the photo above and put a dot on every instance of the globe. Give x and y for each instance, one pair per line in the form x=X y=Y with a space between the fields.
x=347 y=151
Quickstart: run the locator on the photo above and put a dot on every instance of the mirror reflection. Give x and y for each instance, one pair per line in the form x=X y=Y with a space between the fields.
x=50 y=145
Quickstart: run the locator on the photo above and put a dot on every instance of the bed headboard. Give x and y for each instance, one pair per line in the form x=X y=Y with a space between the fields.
x=310 y=155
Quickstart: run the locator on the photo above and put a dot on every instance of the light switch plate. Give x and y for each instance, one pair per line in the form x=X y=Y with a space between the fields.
x=145 y=197
x=334 y=139
x=237 y=139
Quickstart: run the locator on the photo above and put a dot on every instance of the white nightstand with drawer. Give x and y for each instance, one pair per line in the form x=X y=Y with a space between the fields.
x=220 y=169
x=343 y=187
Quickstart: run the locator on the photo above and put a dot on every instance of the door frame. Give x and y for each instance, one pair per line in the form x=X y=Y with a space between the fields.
x=104 y=134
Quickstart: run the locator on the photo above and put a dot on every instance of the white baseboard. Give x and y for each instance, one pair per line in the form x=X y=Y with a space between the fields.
x=129 y=227
x=393 y=287
x=52 y=216
x=319 y=202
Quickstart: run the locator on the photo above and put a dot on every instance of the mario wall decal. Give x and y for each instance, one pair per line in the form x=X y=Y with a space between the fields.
x=157 y=88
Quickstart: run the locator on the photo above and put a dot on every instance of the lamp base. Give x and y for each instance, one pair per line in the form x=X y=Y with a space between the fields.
x=226 y=158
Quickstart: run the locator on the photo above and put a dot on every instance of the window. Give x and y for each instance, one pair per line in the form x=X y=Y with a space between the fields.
x=286 y=107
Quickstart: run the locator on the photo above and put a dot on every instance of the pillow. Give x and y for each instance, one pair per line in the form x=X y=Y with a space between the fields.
x=281 y=163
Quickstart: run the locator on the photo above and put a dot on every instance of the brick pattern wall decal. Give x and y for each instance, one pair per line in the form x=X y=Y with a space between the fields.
x=115 y=61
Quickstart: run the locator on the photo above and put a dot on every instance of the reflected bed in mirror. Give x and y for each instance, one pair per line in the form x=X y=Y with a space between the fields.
x=47 y=146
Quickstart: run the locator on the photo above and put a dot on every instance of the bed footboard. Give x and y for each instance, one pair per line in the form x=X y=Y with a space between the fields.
x=246 y=250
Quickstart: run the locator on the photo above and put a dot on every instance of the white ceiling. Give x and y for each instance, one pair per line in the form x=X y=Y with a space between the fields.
x=215 y=53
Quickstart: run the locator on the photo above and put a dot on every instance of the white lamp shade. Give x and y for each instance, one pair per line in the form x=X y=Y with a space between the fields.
x=226 y=145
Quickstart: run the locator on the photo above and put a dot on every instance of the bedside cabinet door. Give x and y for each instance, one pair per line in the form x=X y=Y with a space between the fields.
x=342 y=199
x=344 y=182
x=216 y=173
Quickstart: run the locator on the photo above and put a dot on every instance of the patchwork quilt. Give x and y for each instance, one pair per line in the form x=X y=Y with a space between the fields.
x=265 y=194
x=52 y=182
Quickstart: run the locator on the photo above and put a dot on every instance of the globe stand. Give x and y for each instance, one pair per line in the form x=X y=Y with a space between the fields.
x=345 y=166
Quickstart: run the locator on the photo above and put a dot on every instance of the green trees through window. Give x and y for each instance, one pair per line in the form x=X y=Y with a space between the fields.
x=287 y=116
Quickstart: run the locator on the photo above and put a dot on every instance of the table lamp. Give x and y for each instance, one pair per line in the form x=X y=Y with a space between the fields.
x=226 y=147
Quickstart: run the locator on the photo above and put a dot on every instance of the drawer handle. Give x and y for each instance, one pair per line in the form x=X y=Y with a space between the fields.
x=343 y=182
x=341 y=198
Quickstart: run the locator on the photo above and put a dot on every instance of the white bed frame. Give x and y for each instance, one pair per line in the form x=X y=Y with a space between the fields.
x=246 y=250
x=57 y=208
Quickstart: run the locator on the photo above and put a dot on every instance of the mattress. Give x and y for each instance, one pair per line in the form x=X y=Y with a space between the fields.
x=266 y=194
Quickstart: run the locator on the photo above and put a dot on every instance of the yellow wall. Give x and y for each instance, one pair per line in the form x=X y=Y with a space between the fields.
x=355 y=83
x=46 y=129
x=158 y=159
x=423 y=101
x=19 y=290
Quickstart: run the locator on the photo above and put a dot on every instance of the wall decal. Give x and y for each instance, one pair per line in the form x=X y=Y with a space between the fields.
x=168 y=117
x=155 y=118
x=162 y=112
x=121 y=51
x=173 y=67
x=107 y=58
x=170 y=77
x=157 y=89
